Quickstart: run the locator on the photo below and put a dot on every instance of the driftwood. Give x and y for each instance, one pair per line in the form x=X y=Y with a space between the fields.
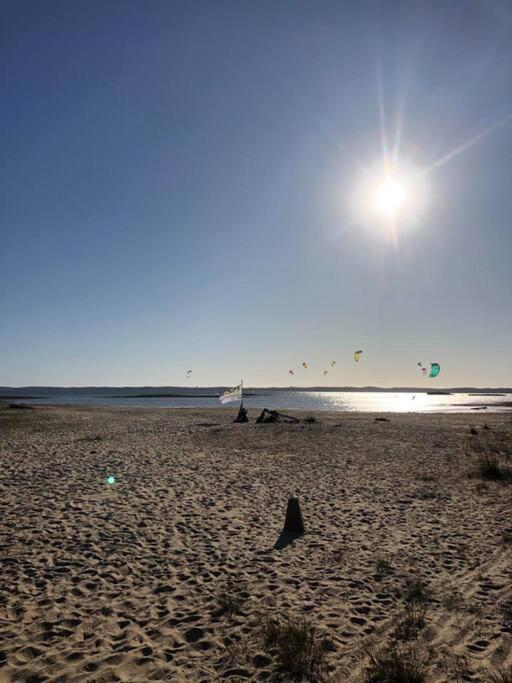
x=242 y=415
x=273 y=416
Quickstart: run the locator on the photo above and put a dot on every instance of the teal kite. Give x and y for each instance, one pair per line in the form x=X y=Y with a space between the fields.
x=435 y=369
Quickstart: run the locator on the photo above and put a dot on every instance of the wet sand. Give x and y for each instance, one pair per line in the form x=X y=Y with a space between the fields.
x=123 y=583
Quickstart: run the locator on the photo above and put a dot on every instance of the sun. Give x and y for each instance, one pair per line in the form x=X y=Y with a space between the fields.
x=390 y=196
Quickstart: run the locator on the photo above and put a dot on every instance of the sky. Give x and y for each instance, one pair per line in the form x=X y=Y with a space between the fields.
x=189 y=185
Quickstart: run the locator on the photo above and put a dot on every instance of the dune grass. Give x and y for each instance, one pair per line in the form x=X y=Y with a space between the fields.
x=395 y=663
x=416 y=590
x=299 y=650
x=233 y=594
x=410 y=623
x=500 y=674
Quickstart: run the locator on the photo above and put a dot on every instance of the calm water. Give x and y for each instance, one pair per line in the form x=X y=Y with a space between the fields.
x=277 y=399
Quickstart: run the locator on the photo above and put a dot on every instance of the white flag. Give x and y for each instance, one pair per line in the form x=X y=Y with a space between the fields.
x=231 y=395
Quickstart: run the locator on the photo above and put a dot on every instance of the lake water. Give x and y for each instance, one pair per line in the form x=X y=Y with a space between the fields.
x=273 y=399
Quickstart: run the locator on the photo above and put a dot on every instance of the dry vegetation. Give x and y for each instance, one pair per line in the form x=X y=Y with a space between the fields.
x=233 y=594
x=300 y=651
x=492 y=455
x=500 y=674
x=396 y=663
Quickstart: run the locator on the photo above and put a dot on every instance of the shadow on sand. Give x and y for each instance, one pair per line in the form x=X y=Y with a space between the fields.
x=286 y=538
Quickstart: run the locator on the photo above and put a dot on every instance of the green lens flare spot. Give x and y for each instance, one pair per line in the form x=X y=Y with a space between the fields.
x=111 y=480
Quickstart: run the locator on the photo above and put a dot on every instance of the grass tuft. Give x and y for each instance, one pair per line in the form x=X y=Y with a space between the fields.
x=395 y=664
x=489 y=468
x=233 y=594
x=453 y=601
x=492 y=452
x=457 y=666
x=416 y=590
x=410 y=623
x=299 y=650
x=500 y=674
x=238 y=650
x=383 y=566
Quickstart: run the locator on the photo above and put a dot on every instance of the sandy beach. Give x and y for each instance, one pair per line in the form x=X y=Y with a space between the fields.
x=169 y=573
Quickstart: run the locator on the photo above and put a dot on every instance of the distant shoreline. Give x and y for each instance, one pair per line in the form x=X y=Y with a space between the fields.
x=161 y=396
x=29 y=391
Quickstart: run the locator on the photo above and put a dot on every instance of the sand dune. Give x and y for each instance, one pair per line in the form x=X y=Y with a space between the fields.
x=125 y=582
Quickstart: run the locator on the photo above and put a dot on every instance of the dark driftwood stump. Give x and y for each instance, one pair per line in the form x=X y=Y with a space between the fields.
x=242 y=415
x=273 y=416
x=293 y=523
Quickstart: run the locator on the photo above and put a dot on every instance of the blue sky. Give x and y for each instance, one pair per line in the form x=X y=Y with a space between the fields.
x=177 y=191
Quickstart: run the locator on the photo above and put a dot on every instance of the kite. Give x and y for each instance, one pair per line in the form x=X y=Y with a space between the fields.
x=290 y=372
x=305 y=365
x=357 y=355
x=189 y=372
x=435 y=369
x=325 y=372
x=333 y=363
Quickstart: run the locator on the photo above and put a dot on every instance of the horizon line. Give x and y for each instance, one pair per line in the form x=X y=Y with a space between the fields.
x=314 y=387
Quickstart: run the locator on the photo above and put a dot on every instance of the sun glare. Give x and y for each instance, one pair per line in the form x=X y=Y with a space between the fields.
x=389 y=197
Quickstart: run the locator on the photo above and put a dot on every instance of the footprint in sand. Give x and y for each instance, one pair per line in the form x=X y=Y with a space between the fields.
x=194 y=634
x=478 y=646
